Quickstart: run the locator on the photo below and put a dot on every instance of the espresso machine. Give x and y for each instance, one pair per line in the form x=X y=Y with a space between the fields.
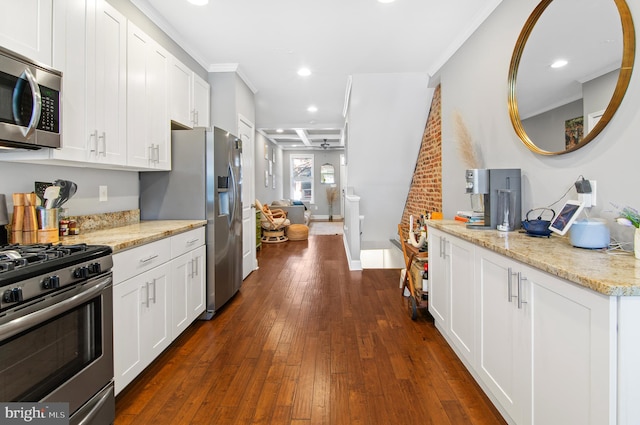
x=497 y=193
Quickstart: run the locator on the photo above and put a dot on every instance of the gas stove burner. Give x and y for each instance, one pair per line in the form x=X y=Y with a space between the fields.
x=22 y=261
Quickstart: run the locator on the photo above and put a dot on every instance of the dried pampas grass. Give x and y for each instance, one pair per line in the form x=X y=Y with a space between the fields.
x=466 y=148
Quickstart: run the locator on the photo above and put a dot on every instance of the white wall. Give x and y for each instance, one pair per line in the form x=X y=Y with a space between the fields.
x=387 y=116
x=267 y=194
x=230 y=96
x=122 y=186
x=474 y=82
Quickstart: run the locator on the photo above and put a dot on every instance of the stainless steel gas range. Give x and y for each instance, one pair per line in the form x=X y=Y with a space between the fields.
x=56 y=328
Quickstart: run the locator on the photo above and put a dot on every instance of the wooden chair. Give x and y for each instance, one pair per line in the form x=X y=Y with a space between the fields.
x=417 y=296
x=273 y=222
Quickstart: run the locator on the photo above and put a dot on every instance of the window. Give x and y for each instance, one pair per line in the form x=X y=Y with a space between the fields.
x=302 y=177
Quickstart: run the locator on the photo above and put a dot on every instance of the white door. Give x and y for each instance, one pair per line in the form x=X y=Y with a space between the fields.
x=245 y=133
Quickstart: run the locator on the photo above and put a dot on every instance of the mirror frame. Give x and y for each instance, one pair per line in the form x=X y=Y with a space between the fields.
x=626 y=67
x=325 y=173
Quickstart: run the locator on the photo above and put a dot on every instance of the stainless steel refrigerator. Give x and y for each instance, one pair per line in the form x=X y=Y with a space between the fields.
x=204 y=183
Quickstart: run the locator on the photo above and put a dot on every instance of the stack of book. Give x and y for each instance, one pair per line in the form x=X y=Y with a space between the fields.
x=472 y=217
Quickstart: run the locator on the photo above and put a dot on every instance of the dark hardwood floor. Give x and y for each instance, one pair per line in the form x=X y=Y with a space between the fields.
x=306 y=341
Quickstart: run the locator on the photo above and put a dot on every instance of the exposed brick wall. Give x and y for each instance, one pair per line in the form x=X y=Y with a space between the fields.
x=425 y=193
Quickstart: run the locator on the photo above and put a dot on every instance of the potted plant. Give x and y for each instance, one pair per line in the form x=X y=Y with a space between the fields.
x=630 y=217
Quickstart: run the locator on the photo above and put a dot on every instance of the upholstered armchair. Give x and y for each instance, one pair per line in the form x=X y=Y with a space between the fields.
x=273 y=222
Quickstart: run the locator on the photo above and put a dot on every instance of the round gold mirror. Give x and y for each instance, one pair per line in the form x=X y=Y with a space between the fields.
x=569 y=71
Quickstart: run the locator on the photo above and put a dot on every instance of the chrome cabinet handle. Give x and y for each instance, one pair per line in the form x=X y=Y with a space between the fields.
x=146 y=260
x=153 y=282
x=94 y=136
x=192 y=241
x=510 y=295
x=146 y=302
x=104 y=143
x=520 y=294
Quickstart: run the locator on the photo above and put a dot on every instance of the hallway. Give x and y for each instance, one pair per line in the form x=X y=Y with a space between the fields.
x=306 y=341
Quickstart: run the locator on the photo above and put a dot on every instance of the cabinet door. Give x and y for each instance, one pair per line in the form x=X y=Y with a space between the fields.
x=573 y=351
x=71 y=56
x=128 y=349
x=180 y=281
x=438 y=277
x=181 y=83
x=156 y=316
x=462 y=297
x=502 y=349
x=148 y=125
x=201 y=102
x=108 y=118
x=29 y=37
x=138 y=147
x=197 y=286
x=159 y=129
x=188 y=289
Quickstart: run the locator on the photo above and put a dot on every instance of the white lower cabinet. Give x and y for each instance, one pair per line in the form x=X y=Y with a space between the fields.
x=158 y=292
x=188 y=281
x=544 y=349
x=141 y=323
x=451 y=292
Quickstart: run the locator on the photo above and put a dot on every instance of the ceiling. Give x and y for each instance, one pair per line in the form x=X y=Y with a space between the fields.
x=266 y=42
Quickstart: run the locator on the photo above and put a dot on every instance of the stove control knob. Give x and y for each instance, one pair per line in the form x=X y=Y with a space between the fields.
x=94 y=268
x=51 y=282
x=81 y=273
x=12 y=295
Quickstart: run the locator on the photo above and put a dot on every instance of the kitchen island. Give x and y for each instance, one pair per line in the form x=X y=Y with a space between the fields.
x=549 y=331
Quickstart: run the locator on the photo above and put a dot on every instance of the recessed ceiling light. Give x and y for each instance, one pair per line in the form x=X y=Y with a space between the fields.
x=312 y=108
x=304 y=72
x=559 y=63
x=386 y=1
x=279 y=130
x=199 y=2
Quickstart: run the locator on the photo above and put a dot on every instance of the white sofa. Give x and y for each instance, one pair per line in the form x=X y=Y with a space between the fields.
x=297 y=214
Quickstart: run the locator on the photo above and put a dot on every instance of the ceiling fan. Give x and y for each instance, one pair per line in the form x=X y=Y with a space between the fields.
x=325 y=145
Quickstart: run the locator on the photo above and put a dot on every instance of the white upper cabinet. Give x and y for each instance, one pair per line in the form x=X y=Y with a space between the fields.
x=26 y=28
x=107 y=113
x=201 y=102
x=148 y=125
x=189 y=97
x=90 y=49
x=181 y=81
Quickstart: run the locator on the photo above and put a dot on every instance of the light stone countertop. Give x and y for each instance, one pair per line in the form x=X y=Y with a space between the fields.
x=610 y=273
x=132 y=235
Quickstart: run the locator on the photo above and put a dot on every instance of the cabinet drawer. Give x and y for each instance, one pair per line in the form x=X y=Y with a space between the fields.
x=134 y=261
x=187 y=241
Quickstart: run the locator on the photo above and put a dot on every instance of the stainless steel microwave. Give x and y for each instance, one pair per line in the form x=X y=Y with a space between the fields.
x=29 y=103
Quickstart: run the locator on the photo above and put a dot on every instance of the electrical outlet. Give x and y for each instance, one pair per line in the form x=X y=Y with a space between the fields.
x=593 y=192
x=585 y=198
x=103 y=194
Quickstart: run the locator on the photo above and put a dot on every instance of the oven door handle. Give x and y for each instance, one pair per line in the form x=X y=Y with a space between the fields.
x=23 y=323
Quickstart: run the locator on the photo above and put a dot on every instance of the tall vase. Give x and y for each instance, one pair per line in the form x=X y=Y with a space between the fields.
x=636 y=243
